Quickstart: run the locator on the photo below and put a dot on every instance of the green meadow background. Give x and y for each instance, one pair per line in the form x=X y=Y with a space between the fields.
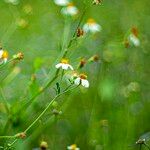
x=114 y=112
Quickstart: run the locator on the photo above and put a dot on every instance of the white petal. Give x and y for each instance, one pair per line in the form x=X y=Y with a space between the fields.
x=65 y=66
x=69 y=147
x=58 y=65
x=77 y=148
x=86 y=28
x=5 y=60
x=77 y=81
x=69 y=11
x=134 y=40
x=95 y=28
x=70 y=67
x=1 y=53
x=85 y=83
x=61 y=2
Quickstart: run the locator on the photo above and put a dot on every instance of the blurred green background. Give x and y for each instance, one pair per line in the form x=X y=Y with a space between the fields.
x=114 y=111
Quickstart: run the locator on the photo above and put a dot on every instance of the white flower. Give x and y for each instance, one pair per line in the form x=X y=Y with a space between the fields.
x=70 y=10
x=61 y=2
x=14 y=2
x=92 y=26
x=73 y=147
x=3 y=56
x=64 y=65
x=82 y=79
x=134 y=40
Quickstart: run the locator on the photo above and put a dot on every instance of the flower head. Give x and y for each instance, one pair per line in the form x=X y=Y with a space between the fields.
x=133 y=37
x=61 y=2
x=70 y=10
x=64 y=64
x=73 y=147
x=97 y=2
x=82 y=79
x=92 y=26
x=3 y=56
x=43 y=145
x=82 y=63
x=14 y=2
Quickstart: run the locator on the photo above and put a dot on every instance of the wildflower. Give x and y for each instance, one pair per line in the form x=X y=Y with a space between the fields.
x=80 y=32
x=61 y=2
x=82 y=79
x=64 y=64
x=92 y=26
x=82 y=63
x=43 y=145
x=70 y=10
x=97 y=2
x=133 y=37
x=14 y=2
x=73 y=147
x=3 y=56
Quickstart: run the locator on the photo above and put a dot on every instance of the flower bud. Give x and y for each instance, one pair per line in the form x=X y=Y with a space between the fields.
x=97 y=2
x=43 y=145
x=82 y=63
x=21 y=135
x=80 y=32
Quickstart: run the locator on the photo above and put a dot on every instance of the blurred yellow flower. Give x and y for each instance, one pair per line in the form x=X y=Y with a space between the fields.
x=3 y=56
x=73 y=147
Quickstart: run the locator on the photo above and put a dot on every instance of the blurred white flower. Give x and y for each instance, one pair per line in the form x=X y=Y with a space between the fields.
x=70 y=10
x=134 y=40
x=133 y=37
x=61 y=2
x=82 y=79
x=73 y=147
x=14 y=2
x=64 y=65
x=92 y=26
x=3 y=56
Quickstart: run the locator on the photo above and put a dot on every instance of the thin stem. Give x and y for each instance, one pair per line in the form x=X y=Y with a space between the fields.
x=42 y=113
x=7 y=137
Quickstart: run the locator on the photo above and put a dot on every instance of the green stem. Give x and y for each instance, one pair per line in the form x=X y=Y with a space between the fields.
x=39 y=117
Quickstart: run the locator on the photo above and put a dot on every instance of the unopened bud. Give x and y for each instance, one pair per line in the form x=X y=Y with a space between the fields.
x=80 y=32
x=18 y=56
x=82 y=63
x=97 y=2
x=21 y=135
x=43 y=145
x=94 y=58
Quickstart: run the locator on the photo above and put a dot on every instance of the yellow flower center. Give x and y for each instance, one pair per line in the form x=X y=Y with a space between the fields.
x=73 y=147
x=5 y=55
x=65 y=61
x=91 y=21
x=71 y=4
x=83 y=76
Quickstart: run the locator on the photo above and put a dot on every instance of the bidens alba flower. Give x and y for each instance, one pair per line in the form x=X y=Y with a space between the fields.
x=82 y=79
x=14 y=2
x=133 y=37
x=64 y=64
x=3 y=56
x=61 y=2
x=70 y=10
x=92 y=26
x=73 y=147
